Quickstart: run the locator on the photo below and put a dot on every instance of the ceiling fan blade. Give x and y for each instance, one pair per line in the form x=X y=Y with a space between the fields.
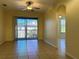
x=4 y=5
x=32 y=10
x=36 y=7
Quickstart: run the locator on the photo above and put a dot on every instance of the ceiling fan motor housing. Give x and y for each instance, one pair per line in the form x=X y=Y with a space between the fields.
x=29 y=3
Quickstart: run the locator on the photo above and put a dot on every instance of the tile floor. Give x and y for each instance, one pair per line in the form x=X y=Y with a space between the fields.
x=29 y=49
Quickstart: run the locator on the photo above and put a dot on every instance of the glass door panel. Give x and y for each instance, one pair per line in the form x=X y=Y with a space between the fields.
x=32 y=28
x=21 y=28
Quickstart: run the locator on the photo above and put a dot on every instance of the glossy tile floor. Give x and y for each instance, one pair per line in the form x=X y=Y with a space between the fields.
x=29 y=49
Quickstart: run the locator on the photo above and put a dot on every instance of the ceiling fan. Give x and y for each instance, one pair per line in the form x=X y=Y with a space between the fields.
x=30 y=7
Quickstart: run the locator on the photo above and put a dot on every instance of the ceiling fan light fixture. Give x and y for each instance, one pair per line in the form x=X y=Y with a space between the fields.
x=29 y=8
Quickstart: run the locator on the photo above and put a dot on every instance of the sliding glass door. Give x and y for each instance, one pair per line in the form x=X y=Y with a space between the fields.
x=27 y=28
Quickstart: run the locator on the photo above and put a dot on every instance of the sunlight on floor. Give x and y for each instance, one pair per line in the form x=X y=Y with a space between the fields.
x=21 y=47
x=61 y=48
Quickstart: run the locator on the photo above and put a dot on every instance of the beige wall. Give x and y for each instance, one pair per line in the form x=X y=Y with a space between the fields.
x=1 y=25
x=73 y=28
x=51 y=27
x=10 y=17
x=52 y=34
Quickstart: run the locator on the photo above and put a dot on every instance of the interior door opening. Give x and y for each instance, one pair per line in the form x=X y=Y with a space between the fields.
x=26 y=28
x=62 y=35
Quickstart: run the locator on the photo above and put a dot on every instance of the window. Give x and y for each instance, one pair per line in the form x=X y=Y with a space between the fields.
x=62 y=24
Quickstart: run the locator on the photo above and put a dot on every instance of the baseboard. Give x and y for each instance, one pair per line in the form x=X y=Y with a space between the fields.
x=50 y=43
x=68 y=54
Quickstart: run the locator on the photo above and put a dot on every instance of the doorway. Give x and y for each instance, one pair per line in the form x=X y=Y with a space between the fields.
x=26 y=28
x=62 y=35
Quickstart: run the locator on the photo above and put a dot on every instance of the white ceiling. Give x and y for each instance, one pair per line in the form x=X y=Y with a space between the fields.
x=21 y=4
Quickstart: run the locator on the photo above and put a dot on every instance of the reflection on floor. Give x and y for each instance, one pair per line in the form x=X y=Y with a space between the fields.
x=29 y=49
x=61 y=48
